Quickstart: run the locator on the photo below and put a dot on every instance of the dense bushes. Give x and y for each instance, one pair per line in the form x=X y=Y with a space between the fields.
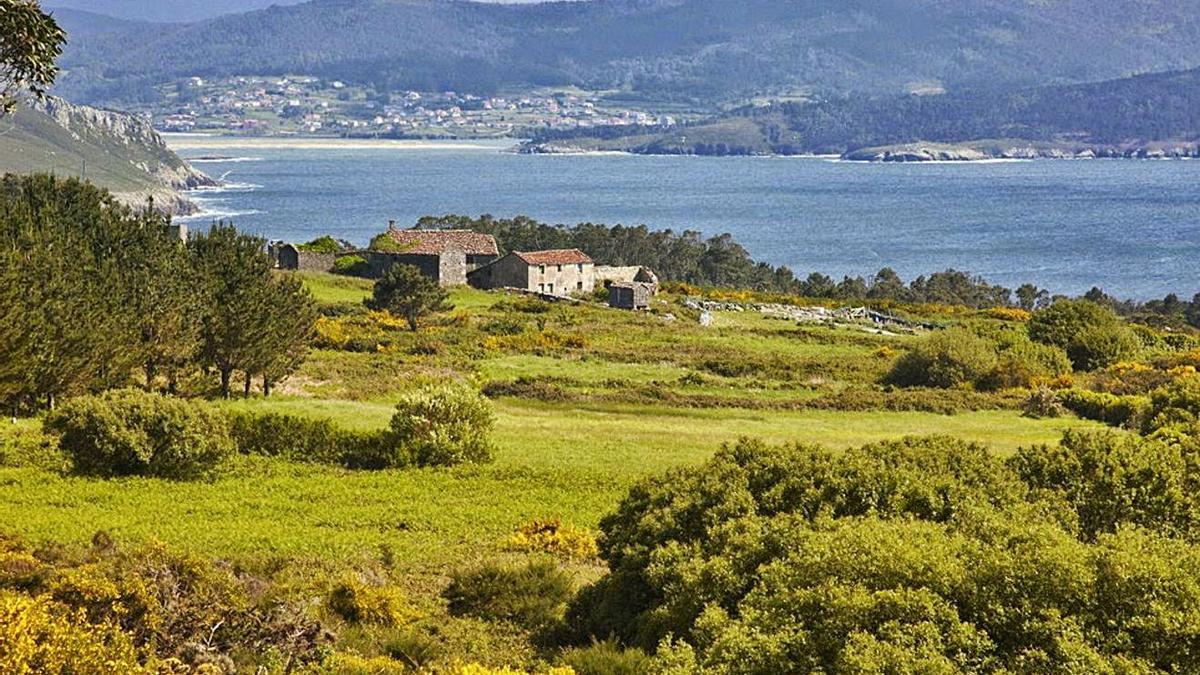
x=921 y=555
x=950 y=358
x=980 y=357
x=1175 y=407
x=309 y=440
x=133 y=433
x=532 y=595
x=441 y=425
x=1092 y=334
x=1113 y=478
x=1117 y=411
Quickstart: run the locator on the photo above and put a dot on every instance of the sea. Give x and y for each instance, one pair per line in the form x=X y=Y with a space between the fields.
x=1129 y=227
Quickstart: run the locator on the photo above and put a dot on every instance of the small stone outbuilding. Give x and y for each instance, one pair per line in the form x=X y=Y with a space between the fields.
x=607 y=275
x=558 y=272
x=630 y=294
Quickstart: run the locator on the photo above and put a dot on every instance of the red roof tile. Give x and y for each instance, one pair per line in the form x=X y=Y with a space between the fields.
x=433 y=242
x=566 y=256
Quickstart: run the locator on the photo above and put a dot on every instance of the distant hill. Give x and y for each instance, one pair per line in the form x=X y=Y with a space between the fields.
x=113 y=150
x=1158 y=112
x=166 y=11
x=705 y=50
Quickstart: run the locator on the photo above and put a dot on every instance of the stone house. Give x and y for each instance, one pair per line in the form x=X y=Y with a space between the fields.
x=557 y=272
x=630 y=294
x=446 y=256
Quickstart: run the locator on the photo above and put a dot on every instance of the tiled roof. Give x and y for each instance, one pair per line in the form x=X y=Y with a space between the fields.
x=565 y=256
x=433 y=242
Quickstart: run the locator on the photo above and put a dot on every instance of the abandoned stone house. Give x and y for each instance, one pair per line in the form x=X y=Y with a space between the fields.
x=557 y=272
x=446 y=256
x=630 y=294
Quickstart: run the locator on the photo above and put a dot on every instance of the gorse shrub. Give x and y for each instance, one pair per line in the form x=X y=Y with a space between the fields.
x=1110 y=478
x=443 y=425
x=532 y=595
x=1101 y=346
x=1117 y=411
x=134 y=433
x=1093 y=335
x=951 y=358
x=1027 y=364
x=359 y=602
x=553 y=537
x=1060 y=323
x=1175 y=406
x=927 y=555
x=39 y=635
x=27 y=446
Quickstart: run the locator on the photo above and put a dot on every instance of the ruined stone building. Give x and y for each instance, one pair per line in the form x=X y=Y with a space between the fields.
x=446 y=256
x=557 y=272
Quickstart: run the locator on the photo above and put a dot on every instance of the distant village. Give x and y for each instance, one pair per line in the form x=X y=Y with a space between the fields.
x=316 y=106
x=463 y=257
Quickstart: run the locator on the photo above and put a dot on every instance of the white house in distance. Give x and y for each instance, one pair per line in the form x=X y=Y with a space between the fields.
x=558 y=272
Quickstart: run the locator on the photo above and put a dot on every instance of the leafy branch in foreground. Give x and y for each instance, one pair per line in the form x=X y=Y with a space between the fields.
x=30 y=43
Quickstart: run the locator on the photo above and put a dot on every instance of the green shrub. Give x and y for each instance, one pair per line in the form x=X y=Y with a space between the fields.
x=351 y=265
x=134 y=433
x=300 y=438
x=325 y=244
x=1176 y=406
x=1117 y=411
x=923 y=556
x=1028 y=364
x=1110 y=478
x=532 y=595
x=1060 y=323
x=443 y=425
x=607 y=658
x=27 y=446
x=1097 y=347
x=950 y=358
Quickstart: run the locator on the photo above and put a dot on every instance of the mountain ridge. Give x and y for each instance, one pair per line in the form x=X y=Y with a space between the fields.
x=659 y=49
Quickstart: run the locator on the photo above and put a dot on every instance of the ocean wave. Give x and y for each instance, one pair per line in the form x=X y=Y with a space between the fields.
x=210 y=214
x=226 y=186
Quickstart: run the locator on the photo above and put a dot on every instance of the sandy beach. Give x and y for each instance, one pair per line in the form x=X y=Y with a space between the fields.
x=211 y=142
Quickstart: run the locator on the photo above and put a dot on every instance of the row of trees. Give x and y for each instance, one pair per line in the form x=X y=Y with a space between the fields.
x=92 y=293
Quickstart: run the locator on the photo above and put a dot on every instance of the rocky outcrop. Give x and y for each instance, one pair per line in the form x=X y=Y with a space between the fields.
x=1017 y=149
x=119 y=151
x=916 y=152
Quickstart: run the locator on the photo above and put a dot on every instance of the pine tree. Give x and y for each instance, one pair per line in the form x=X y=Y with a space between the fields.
x=404 y=292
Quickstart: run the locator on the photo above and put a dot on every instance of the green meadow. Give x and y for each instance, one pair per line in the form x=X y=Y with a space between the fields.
x=570 y=459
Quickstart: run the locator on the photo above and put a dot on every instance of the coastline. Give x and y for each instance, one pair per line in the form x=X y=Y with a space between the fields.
x=193 y=141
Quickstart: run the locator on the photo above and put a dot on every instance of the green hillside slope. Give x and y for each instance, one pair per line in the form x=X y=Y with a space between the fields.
x=113 y=150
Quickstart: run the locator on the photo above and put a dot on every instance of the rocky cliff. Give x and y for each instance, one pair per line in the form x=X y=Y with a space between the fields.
x=117 y=151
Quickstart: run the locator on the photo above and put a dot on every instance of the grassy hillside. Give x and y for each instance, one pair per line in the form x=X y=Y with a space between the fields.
x=662 y=49
x=632 y=396
x=112 y=150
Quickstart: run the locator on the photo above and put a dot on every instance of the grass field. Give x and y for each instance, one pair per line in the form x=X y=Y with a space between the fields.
x=587 y=400
x=569 y=462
